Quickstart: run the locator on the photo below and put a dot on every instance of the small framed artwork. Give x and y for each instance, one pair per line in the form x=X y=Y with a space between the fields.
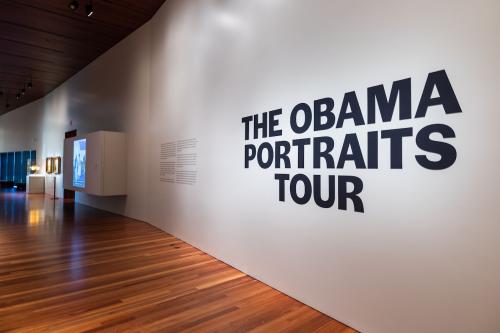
x=56 y=165
x=49 y=165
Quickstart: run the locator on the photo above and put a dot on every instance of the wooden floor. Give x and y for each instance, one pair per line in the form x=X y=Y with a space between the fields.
x=66 y=268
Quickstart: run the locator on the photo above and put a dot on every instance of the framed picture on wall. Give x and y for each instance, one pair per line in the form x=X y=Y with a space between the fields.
x=49 y=165
x=56 y=165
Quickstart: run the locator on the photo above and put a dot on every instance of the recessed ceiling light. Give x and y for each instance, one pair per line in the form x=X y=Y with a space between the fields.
x=73 y=5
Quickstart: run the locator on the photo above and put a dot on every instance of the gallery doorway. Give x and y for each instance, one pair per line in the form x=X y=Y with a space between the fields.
x=69 y=194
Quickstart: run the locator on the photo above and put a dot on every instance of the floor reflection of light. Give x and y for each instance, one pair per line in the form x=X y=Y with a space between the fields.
x=76 y=270
x=35 y=216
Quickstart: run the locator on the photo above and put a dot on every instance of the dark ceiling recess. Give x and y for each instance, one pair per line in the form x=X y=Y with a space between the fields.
x=44 y=42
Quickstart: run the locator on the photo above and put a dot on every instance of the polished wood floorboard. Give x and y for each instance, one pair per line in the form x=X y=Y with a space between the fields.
x=72 y=268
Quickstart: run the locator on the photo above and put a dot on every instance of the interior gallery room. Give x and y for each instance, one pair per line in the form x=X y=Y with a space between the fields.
x=250 y=166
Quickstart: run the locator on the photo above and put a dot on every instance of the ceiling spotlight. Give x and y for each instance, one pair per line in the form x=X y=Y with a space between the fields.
x=89 y=9
x=30 y=85
x=73 y=5
x=18 y=96
x=23 y=91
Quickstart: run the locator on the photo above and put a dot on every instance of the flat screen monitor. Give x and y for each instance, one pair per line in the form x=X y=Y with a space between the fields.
x=79 y=159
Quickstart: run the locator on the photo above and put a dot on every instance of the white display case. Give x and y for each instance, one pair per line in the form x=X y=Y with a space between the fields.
x=35 y=184
x=95 y=164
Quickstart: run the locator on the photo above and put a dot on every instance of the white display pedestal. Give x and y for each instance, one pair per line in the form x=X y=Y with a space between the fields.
x=35 y=184
x=50 y=185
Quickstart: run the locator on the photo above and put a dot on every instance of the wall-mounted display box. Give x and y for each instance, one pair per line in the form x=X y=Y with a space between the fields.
x=95 y=164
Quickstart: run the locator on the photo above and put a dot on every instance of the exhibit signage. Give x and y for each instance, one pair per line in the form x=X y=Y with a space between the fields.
x=317 y=151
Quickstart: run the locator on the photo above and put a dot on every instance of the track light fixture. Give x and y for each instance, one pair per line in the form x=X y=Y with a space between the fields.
x=19 y=93
x=89 y=9
x=74 y=4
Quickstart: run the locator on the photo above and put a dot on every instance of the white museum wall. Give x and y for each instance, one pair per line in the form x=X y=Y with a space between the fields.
x=423 y=256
